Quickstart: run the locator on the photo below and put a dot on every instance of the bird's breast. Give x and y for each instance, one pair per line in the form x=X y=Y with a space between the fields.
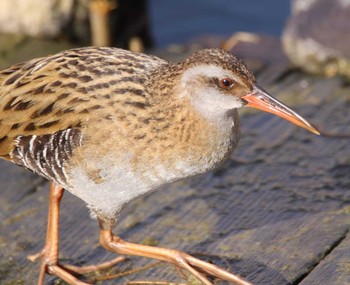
x=197 y=147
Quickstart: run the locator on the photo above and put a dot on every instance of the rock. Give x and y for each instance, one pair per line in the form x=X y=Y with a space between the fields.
x=316 y=37
x=35 y=17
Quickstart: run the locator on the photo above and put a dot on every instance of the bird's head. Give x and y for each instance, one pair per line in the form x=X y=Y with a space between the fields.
x=216 y=81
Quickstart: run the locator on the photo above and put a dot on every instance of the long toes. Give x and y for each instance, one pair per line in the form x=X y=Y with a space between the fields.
x=52 y=268
x=195 y=273
x=95 y=267
x=215 y=271
x=64 y=275
x=181 y=260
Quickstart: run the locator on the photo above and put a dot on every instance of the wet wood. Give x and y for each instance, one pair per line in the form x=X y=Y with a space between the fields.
x=276 y=213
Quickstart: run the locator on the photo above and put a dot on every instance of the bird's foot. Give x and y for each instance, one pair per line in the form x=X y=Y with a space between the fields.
x=66 y=271
x=50 y=266
x=180 y=259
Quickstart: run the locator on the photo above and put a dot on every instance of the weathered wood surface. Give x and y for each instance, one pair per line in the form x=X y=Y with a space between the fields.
x=278 y=212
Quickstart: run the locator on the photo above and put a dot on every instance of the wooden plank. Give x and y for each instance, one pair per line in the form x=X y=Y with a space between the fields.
x=285 y=250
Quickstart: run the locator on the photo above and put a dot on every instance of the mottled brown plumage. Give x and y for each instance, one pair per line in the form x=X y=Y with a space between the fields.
x=83 y=89
x=109 y=125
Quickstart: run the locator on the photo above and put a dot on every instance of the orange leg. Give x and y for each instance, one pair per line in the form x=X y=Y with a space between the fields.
x=49 y=255
x=180 y=259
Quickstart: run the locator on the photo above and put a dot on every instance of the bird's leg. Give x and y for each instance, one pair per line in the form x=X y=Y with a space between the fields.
x=180 y=259
x=49 y=255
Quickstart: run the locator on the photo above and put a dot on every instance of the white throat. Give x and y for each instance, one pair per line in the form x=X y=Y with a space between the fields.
x=209 y=101
x=214 y=105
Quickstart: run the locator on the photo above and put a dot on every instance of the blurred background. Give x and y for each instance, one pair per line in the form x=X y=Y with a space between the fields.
x=309 y=34
x=168 y=22
x=182 y=21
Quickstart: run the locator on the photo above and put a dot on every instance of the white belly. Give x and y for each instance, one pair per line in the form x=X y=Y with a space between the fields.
x=121 y=184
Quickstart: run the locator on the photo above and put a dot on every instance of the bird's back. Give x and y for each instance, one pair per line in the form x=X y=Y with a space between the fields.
x=45 y=103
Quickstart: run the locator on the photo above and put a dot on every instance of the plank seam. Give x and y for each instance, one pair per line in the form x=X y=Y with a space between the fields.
x=326 y=253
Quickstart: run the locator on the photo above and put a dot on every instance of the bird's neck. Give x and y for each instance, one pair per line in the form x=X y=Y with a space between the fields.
x=189 y=132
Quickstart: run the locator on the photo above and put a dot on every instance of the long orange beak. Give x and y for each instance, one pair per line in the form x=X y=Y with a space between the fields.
x=260 y=99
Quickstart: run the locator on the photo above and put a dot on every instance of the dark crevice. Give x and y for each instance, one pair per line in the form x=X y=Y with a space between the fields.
x=314 y=266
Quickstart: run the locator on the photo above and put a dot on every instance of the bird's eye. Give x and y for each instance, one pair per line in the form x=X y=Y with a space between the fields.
x=226 y=83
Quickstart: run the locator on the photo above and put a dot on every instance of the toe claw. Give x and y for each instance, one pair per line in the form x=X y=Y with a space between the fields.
x=34 y=257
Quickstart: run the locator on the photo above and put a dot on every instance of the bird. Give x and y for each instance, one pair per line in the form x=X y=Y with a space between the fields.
x=109 y=125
